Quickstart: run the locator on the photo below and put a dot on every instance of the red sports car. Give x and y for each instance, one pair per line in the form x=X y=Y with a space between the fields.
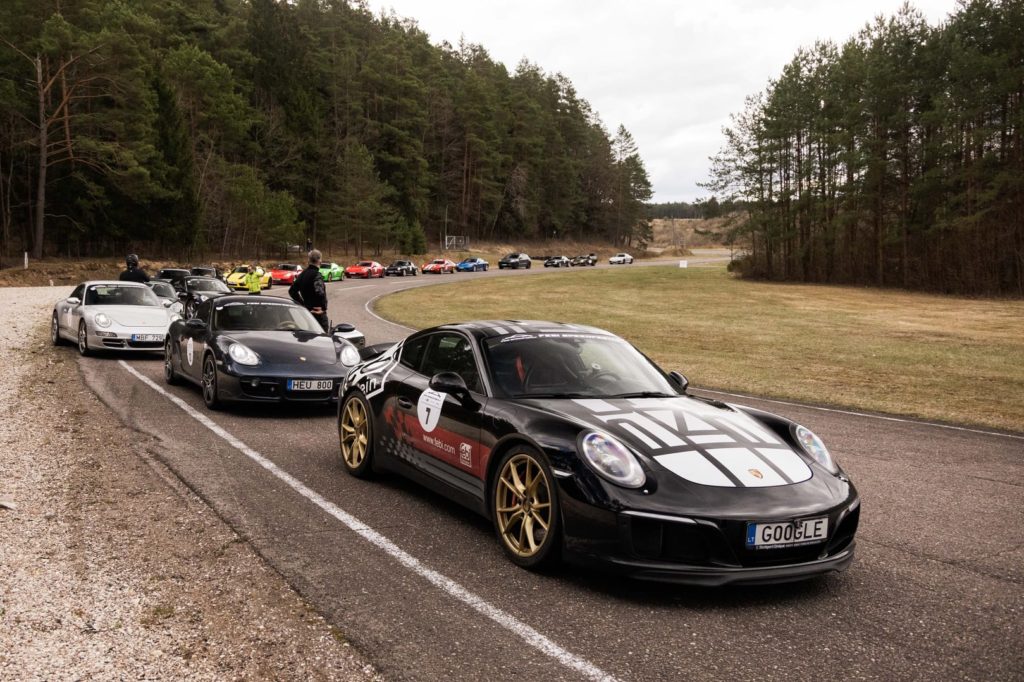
x=365 y=269
x=439 y=266
x=285 y=273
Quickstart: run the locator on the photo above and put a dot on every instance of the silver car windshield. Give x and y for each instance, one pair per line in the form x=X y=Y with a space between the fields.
x=264 y=316
x=118 y=294
x=572 y=365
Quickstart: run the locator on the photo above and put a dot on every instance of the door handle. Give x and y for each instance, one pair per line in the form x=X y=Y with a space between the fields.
x=405 y=403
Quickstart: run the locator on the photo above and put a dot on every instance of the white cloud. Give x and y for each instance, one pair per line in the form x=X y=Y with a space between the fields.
x=670 y=71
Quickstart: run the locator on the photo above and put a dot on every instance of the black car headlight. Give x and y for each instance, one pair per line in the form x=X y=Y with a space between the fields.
x=611 y=459
x=814 y=447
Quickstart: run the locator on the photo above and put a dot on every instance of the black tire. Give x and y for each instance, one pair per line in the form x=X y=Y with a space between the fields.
x=355 y=435
x=211 y=394
x=55 y=338
x=170 y=375
x=83 y=340
x=511 y=509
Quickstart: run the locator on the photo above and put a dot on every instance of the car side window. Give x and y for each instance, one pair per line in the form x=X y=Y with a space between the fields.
x=412 y=353
x=452 y=353
x=77 y=293
x=203 y=312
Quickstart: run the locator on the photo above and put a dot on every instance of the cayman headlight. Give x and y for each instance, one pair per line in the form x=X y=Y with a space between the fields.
x=101 y=320
x=349 y=356
x=611 y=459
x=814 y=447
x=243 y=355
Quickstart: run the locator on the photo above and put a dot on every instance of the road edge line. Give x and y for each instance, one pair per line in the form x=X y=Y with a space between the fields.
x=439 y=580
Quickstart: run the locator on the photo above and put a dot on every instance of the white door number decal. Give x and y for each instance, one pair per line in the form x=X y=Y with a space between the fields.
x=429 y=409
x=190 y=350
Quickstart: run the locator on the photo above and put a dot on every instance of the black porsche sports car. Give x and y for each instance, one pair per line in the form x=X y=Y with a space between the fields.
x=578 y=446
x=401 y=268
x=258 y=349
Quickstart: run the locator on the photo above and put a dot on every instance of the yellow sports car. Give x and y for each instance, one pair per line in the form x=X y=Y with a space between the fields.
x=236 y=280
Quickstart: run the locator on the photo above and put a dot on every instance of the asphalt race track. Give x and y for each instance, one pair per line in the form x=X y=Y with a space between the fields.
x=421 y=587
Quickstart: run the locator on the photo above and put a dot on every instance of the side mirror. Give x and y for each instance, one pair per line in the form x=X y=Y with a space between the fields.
x=195 y=323
x=168 y=304
x=453 y=384
x=73 y=300
x=182 y=296
x=679 y=380
x=343 y=328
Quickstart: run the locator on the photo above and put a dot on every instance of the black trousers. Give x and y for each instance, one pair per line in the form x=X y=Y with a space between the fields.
x=322 y=319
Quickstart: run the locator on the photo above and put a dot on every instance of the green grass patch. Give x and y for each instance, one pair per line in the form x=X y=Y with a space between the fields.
x=936 y=357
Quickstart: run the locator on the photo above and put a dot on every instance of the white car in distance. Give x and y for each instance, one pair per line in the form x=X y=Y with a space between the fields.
x=620 y=259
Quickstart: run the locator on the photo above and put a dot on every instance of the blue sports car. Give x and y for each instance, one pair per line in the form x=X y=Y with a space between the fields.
x=472 y=265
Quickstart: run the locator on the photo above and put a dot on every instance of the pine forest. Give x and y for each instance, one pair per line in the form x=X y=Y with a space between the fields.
x=190 y=127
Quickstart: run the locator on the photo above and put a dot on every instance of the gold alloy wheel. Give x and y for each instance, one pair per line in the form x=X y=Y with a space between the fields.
x=523 y=505
x=355 y=433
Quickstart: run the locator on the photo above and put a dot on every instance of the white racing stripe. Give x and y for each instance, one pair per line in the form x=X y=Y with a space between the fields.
x=444 y=583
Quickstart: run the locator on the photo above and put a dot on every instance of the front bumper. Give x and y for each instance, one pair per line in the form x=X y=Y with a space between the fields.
x=121 y=340
x=259 y=388
x=697 y=551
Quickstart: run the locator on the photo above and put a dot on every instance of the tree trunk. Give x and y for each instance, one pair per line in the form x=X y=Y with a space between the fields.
x=37 y=243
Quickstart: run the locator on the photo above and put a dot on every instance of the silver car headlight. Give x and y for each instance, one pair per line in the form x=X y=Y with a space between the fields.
x=815 y=447
x=349 y=356
x=101 y=320
x=611 y=459
x=243 y=355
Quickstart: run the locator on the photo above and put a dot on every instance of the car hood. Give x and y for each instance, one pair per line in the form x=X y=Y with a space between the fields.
x=135 y=315
x=294 y=350
x=691 y=439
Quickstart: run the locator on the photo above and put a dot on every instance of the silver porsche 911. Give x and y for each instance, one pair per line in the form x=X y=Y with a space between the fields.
x=111 y=315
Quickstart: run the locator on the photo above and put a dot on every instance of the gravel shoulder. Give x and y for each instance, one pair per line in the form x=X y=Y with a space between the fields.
x=112 y=568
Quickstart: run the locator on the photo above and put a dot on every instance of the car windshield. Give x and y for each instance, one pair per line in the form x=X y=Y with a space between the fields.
x=170 y=273
x=365 y=264
x=438 y=261
x=208 y=285
x=399 y=264
x=240 y=270
x=115 y=294
x=512 y=255
x=264 y=316
x=163 y=290
x=286 y=266
x=567 y=364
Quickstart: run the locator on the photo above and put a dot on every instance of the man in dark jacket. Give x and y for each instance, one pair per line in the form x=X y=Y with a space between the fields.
x=309 y=289
x=133 y=273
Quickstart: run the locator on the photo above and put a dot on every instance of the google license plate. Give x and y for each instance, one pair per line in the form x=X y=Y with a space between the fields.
x=147 y=337
x=310 y=384
x=786 y=534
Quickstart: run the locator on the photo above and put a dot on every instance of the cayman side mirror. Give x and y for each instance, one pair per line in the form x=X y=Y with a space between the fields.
x=681 y=382
x=195 y=323
x=73 y=300
x=343 y=328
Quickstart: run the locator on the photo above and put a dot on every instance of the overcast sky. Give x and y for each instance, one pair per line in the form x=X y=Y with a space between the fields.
x=671 y=71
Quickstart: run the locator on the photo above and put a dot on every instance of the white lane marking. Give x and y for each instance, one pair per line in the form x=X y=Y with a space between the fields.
x=439 y=580
x=366 y=307
x=919 y=422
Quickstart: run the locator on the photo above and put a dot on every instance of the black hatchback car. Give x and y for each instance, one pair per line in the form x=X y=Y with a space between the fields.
x=400 y=268
x=515 y=261
x=578 y=446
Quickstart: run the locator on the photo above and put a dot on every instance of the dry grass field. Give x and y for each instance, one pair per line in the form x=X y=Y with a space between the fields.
x=949 y=359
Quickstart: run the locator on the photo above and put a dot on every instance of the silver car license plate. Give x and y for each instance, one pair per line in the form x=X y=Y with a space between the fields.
x=147 y=337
